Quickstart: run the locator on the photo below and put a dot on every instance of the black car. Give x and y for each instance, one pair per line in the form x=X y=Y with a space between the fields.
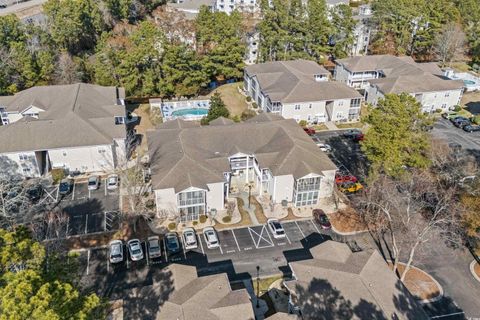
x=462 y=122
x=471 y=128
x=65 y=187
x=171 y=242
x=459 y=118
x=34 y=192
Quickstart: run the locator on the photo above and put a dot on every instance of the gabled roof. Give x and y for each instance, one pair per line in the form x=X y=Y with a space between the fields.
x=73 y=115
x=221 y=121
x=293 y=81
x=415 y=84
x=194 y=156
x=181 y=295
x=390 y=65
x=362 y=279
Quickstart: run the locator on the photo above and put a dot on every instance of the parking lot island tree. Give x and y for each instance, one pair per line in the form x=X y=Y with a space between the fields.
x=395 y=139
x=37 y=286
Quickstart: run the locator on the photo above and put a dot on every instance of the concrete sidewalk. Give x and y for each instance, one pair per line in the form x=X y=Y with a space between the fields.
x=331 y=126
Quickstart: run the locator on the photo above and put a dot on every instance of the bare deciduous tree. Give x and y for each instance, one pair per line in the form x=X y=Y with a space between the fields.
x=411 y=211
x=67 y=71
x=450 y=43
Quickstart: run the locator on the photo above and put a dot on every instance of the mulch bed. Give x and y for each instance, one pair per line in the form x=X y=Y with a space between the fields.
x=290 y=215
x=419 y=283
x=347 y=220
x=258 y=210
x=246 y=221
x=476 y=269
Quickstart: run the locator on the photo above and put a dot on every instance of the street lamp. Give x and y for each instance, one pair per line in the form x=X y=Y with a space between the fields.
x=258 y=287
x=249 y=185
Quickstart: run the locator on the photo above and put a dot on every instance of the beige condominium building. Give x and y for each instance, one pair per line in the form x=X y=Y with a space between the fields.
x=195 y=169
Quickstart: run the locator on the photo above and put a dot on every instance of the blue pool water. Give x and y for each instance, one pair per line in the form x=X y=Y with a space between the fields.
x=469 y=82
x=190 y=112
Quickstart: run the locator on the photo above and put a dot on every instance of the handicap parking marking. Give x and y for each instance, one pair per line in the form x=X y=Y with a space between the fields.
x=261 y=237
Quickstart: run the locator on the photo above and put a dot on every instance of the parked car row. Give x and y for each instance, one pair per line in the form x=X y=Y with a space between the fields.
x=355 y=134
x=461 y=122
x=93 y=183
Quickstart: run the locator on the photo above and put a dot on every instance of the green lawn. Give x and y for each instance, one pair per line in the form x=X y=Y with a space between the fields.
x=349 y=125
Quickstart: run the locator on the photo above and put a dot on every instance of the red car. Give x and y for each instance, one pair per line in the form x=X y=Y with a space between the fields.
x=339 y=179
x=321 y=218
x=309 y=131
x=358 y=137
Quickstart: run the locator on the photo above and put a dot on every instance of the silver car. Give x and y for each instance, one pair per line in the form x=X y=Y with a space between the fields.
x=153 y=247
x=112 y=182
x=93 y=183
x=276 y=228
x=135 y=249
x=211 y=238
x=115 y=251
x=189 y=239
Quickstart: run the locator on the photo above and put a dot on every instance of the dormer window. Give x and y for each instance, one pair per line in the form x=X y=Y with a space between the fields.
x=119 y=120
x=319 y=77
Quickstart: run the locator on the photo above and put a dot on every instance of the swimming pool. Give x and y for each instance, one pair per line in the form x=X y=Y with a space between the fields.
x=190 y=112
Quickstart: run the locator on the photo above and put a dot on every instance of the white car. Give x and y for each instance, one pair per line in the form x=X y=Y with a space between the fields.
x=324 y=147
x=211 y=238
x=276 y=228
x=135 y=249
x=93 y=183
x=112 y=182
x=115 y=251
x=189 y=239
x=153 y=247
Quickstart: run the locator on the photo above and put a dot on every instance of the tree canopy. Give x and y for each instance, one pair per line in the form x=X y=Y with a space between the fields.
x=30 y=290
x=217 y=109
x=292 y=30
x=395 y=138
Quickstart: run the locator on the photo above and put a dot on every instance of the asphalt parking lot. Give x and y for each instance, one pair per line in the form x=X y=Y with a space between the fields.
x=240 y=251
x=470 y=142
x=87 y=211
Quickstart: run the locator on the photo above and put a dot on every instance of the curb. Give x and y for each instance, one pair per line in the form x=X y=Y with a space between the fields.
x=440 y=288
x=472 y=266
x=347 y=233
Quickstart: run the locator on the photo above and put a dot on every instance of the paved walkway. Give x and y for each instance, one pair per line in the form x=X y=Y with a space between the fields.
x=331 y=126
x=251 y=212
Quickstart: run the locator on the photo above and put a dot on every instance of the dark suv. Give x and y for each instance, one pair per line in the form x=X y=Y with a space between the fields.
x=471 y=128
x=461 y=122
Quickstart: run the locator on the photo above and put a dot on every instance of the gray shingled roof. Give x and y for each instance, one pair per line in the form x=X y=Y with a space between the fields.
x=390 y=65
x=363 y=279
x=415 y=84
x=75 y=115
x=184 y=155
x=191 y=4
x=293 y=81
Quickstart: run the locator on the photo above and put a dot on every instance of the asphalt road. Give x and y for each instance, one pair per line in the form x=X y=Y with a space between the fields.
x=444 y=129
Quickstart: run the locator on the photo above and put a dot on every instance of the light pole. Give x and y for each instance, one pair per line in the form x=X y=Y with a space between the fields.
x=258 y=287
x=249 y=194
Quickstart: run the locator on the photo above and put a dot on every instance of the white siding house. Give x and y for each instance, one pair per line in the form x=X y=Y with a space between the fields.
x=300 y=90
x=263 y=157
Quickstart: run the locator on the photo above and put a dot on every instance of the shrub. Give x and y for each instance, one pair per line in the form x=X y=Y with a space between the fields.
x=249 y=98
x=254 y=105
x=172 y=226
x=476 y=119
x=236 y=118
x=57 y=174
x=439 y=110
x=227 y=219
x=457 y=108
x=247 y=114
x=203 y=218
x=195 y=223
x=303 y=123
x=150 y=204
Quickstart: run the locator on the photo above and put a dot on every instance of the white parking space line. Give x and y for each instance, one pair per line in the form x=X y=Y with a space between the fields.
x=105 y=185
x=89 y=193
x=303 y=234
x=88 y=262
x=316 y=228
x=73 y=191
x=234 y=237
x=448 y=315
x=146 y=253
x=108 y=265
x=165 y=250
x=261 y=237
x=183 y=247
x=104 y=221
x=201 y=245
x=268 y=233
x=220 y=247
x=128 y=261
x=86 y=223
x=68 y=221
x=286 y=236
x=57 y=194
